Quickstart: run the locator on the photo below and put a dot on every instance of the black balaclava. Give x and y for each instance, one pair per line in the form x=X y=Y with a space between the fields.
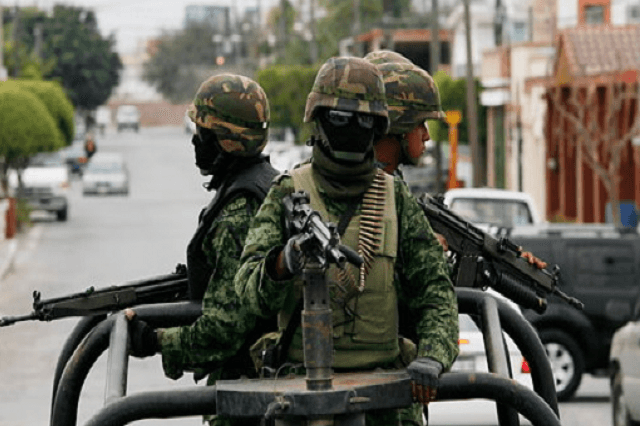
x=210 y=158
x=343 y=160
x=349 y=142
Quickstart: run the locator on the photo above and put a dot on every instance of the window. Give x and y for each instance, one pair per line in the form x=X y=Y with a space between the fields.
x=594 y=15
x=519 y=32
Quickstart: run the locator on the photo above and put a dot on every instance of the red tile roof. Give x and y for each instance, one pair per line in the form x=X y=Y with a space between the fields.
x=601 y=49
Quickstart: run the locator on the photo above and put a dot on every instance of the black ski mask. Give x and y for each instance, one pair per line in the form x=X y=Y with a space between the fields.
x=207 y=150
x=349 y=135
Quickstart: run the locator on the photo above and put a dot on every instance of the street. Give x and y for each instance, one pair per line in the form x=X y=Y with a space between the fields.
x=106 y=241
x=112 y=240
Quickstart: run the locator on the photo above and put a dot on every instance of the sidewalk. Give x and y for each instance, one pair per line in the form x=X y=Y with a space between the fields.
x=8 y=249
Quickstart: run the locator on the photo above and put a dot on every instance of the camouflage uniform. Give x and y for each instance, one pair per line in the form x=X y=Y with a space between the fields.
x=237 y=110
x=420 y=281
x=378 y=57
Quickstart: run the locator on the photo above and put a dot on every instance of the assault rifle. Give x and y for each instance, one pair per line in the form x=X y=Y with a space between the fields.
x=480 y=260
x=160 y=289
x=320 y=240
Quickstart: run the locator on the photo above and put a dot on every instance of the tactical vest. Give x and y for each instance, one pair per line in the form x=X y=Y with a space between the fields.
x=253 y=181
x=365 y=321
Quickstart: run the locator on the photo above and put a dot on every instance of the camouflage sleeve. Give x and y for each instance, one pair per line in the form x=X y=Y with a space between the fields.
x=221 y=330
x=258 y=292
x=426 y=287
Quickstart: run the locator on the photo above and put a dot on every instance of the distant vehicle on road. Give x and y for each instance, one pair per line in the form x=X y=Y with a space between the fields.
x=106 y=173
x=103 y=118
x=128 y=116
x=189 y=125
x=625 y=372
x=45 y=184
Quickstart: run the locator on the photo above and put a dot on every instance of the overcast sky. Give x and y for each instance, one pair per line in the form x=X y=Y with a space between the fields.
x=134 y=21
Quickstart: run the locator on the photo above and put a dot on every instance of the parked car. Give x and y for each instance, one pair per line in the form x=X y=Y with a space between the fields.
x=625 y=372
x=600 y=266
x=189 y=125
x=489 y=207
x=45 y=184
x=472 y=358
x=128 y=116
x=103 y=118
x=106 y=173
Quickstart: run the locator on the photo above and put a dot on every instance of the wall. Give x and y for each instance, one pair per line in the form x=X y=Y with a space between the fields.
x=529 y=61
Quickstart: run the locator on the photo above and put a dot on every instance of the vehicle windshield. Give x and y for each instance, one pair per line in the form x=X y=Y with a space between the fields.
x=104 y=167
x=504 y=213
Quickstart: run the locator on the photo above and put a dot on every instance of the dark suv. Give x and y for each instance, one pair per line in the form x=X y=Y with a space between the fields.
x=601 y=267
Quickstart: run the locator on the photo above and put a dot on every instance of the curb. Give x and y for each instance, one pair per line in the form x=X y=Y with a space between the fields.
x=7 y=263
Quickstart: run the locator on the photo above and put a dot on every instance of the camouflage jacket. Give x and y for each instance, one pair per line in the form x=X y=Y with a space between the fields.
x=225 y=324
x=422 y=282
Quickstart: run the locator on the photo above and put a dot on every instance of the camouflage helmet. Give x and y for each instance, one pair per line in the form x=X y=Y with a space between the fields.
x=378 y=57
x=236 y=109
x=348 y=84
x=412 y=96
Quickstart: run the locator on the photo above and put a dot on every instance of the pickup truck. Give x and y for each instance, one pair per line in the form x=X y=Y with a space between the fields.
x=45 y=183
x=600 y=266
x=490 y=208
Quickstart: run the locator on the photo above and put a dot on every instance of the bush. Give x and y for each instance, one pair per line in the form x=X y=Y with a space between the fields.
x=27 y=126
x=287 y=87
x=56 y=101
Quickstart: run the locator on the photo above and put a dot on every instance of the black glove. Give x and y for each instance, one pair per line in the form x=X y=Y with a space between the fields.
x=293 y=257
x=424 y=373
x=143 y=339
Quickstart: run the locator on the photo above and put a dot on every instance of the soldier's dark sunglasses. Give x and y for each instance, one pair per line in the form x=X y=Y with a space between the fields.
x=343 y=118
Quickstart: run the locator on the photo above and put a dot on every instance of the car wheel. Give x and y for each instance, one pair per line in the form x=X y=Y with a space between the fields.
x=61 y=215
x=619 y=410
x=566 y=359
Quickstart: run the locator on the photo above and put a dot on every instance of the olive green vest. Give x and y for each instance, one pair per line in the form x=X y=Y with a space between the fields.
x=365 y=328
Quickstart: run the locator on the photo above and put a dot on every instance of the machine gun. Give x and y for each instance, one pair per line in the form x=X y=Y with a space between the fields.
x=481 y=260
x=320 y=240
x=160 y=289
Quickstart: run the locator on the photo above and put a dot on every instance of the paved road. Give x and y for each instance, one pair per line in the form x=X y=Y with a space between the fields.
x=110 y=240
x=106 y=241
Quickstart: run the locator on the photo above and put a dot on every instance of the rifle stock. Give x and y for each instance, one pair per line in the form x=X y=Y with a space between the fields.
x=482 y=260
x=160 y=289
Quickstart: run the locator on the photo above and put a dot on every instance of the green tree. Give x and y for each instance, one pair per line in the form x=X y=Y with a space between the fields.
x=182 y=61
x=87 y=65
x=453 y=96
x=56 y=101
x=27 y=128
x=287 y=87
x=338 y=23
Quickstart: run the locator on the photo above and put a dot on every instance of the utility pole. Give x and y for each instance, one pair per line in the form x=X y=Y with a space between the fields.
x=313 y=49
x=355 y=30
x=283 y=28
x=435 y=63
x=498 y=22
x=3 y=71
x=472 y=115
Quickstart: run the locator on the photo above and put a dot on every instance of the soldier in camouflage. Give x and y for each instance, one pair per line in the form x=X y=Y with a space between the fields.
x=378 y=217
x=231 y=114
x=413 y=98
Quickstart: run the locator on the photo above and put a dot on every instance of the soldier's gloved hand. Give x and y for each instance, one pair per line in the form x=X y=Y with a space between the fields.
x=424 y=374
x=143 y=339
x=292 y=255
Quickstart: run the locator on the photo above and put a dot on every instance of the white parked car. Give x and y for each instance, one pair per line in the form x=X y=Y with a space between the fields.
x=489 y=207
x=128 y=116
x=473 y=358
x=45 y=184
x=106 y=173
x=625 y=372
